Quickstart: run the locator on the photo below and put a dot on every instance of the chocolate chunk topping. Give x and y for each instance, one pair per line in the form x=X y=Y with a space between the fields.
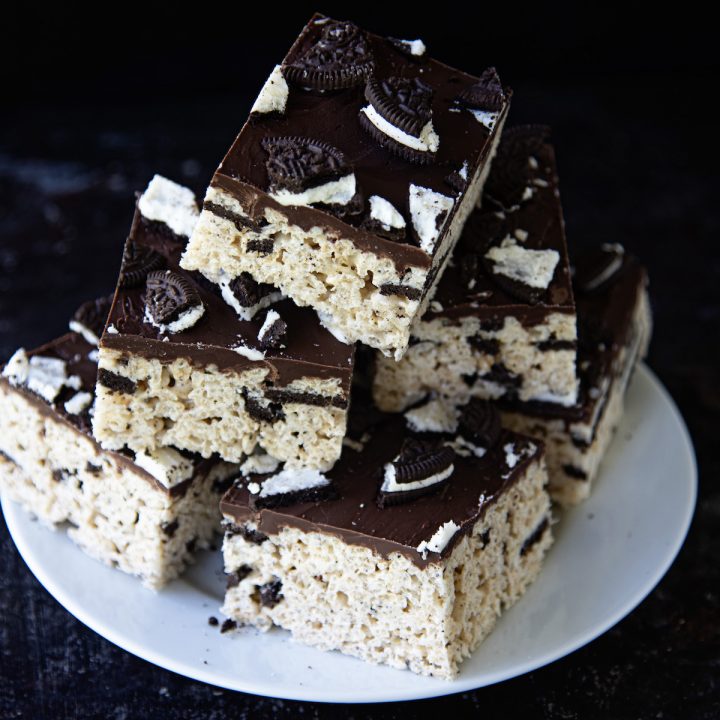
x=115 y=382
x=405 y=103
x=235 y=578
x=168 y=295
x=487 y=94
x=340 y=58
x=512 y=170
x=248 y=291
x=137 y=262
x=298 y=163
x=479 y=423
x=270 y=594
x=93 y=314
x=228 y=625
x=595 y=268
x=534 y=537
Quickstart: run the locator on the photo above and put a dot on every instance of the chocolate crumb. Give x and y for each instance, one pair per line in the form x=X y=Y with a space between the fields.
x=228 y=625
x=213 y=621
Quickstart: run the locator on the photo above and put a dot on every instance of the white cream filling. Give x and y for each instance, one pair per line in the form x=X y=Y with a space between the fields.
x=93 y=356
x=17 y=368
x=463 y=171
x=335 y=192
x=89 y=336
x=414 y=47
x=425 y=207
x=289 y=481
x=465 y=448
x=427 y=142
x=485 y=117
x=166 y=465
x=512 y=458
x=390 y=483
x=327 y=322
x=78 y=402
x=170 y=203
x=259 y=463
x=385 y=213
x=274 y=94
x=439 y=541
x=46 y=376
x=249 y=353
x=437 y=415
x=566 y=400
x=185 y=320
x=530 y=267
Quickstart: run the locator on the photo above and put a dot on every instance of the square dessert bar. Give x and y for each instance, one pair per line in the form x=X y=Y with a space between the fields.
x=349 y=184
x=145 y=515
x=614 y=326
x=187 y=364
x=405 y=553
x=502 y=323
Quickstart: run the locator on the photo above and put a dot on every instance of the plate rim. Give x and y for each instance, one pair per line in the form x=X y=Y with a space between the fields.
x=435 y=687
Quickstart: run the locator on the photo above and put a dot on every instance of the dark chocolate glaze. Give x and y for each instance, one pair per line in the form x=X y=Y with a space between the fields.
x=541 y=217
x=310 y=350
x=334 y=118
x=605 y=328
x=74 y=350
x=355 y=517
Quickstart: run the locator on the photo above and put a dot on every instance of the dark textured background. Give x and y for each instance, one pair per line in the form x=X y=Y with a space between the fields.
x=92 y=108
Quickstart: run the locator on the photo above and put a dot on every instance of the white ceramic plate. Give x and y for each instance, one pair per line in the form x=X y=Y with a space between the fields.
x=608 y=555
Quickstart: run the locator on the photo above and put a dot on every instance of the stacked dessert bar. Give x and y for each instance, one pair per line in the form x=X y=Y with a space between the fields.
x=393 y=520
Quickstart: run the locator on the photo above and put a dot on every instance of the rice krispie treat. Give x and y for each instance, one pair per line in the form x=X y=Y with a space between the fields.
x=212 y=369
x=405 y=553
x=502 y=323
x=614 y=325
x=351 y=181
x=144 y=515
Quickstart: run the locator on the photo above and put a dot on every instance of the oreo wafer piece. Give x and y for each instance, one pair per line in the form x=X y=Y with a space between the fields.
x=339 y=58
x=137 y=262
x=487 y=94
x=89 y=319
x=479 y=423
x=421 y=467
x=298 y=163
x=519 y=290
x=248 y=291
x=309 y=495
x=168 y=295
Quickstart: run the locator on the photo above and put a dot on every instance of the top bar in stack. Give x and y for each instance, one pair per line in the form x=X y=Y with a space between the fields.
x=352 y=179
x=503 y=321
x=187 y=365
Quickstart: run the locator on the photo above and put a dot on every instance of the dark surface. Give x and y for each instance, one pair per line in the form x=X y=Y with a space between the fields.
x=638 y=163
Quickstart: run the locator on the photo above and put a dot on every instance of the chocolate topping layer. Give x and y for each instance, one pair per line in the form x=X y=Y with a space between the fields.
x=309 y=350
x=75 y=350
x=333 y=118
x=469 y=288
x=354 y=516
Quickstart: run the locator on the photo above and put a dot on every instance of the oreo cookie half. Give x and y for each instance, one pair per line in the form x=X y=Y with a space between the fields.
x=479 y=423
x=486 y=94
x=339 y=58
x=421 y=467
x=171 y=302
x=137 y=262
x=298 y=163
x=399 y=117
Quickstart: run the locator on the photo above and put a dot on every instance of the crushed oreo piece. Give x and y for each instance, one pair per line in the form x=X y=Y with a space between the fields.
x=596 y=268
x=516 y=289
x=241 y=222
x=272 y=332
x=575 y=472
x=298 y=163
x=396 y=234
x=535 y=536
x=422 y=467
x=247 y=533
x=339 y=58
x=247 y=291
x=228 y=625
x=512 y=170
x=414 y=49
x=499 y=374
x=456 y=181
x=137 y=262
x=270 y=594
x=89 y=319
x=262 y=411
x=213 y=621
x=168 y=295
x=489 y=346
x=479 y=423
x=410 y=293
x=115 y=382
x=169 y=528
x=262 y=246
x=486 y=94
x=553 y=344
x=235 y=578
x=93 y=469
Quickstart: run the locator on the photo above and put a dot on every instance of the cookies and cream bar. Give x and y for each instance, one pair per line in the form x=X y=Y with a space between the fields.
x=146 y=514
x=405 y=553
x=502 y=322
x=614 y=327
x=213 y=369
x=350 y=183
